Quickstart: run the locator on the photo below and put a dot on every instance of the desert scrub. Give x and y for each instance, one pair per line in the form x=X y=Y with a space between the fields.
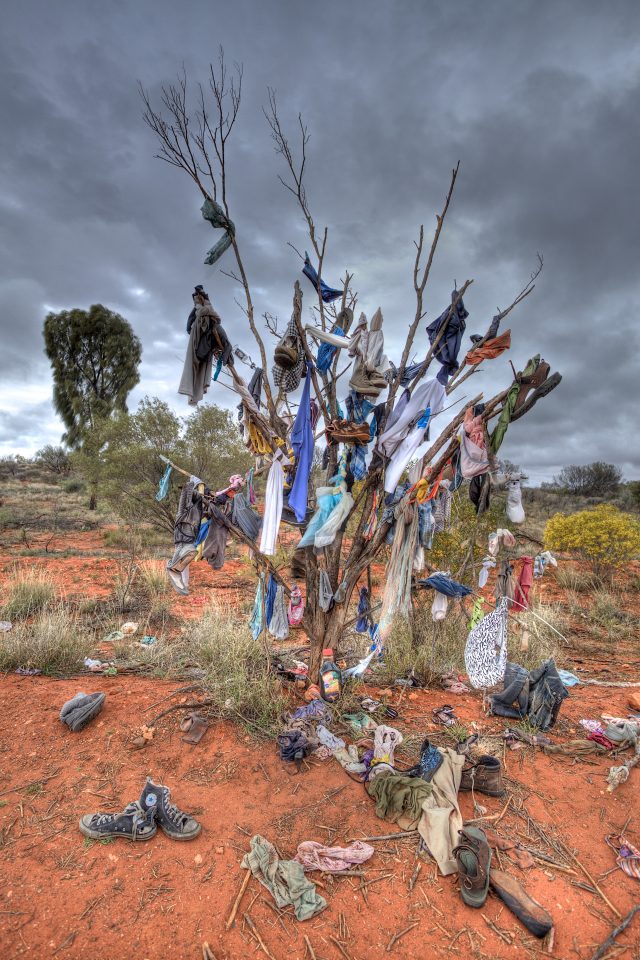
x=236 y=675
x=28 y=593
x=152 y=579
x=578 y=581
x=51 y=642
x=604 y=536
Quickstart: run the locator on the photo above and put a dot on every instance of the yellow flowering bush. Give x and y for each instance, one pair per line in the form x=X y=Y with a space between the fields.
x=605 y=536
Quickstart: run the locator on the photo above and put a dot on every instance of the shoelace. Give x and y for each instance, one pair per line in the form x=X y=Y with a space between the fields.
x=176 y=816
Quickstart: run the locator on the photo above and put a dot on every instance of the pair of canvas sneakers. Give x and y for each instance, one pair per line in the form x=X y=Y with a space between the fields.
x=140 y=819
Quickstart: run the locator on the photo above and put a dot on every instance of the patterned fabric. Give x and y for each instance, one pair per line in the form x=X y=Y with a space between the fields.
x=289 y=380
x=627 y=856
x=485 y=654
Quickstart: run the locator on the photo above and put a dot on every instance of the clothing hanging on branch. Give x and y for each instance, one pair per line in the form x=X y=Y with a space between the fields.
x=302 y=445
x=218 y=219
x=327 y=293
x=485 y=653
x=448 y=346
x=273 y=504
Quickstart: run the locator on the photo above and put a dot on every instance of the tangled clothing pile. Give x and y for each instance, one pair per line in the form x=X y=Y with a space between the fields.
x=431 y=807
x=536 y=694
x=284 y=879
x=485 y=653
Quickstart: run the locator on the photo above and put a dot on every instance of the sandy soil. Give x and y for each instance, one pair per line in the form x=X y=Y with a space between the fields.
x=62 y=896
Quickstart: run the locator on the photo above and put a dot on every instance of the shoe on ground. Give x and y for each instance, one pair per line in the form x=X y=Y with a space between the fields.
x=526 y=909
x=82 y=708
x=483 y=775
x=173 y=822
x=134 y=823
x=473 y=856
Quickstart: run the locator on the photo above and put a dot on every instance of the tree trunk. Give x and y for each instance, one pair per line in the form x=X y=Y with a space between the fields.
x=93 y=501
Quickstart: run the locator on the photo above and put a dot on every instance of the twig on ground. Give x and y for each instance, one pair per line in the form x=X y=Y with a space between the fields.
x=234 y=910
x=399 y=934
x=602 y=949
x=256 y=933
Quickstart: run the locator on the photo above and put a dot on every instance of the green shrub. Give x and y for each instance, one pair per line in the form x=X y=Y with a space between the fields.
x=74 y=486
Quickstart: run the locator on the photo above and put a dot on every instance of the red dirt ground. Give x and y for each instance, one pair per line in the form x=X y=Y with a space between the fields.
x=61 y=896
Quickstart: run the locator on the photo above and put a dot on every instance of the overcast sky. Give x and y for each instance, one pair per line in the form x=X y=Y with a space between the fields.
x=538 y=100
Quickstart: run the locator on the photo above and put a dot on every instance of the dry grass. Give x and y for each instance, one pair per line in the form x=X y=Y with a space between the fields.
x=28 y=593
x=233 y=664
x=51 y=642
x=544 y=621
x=152 y=578
x=579 y=581
x=439 y=647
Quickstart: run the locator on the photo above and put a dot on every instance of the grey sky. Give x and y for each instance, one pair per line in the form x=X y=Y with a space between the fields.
x=539 y=100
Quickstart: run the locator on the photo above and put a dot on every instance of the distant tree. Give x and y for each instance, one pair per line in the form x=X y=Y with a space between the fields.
x=94 y=356
x=596 y=479
x=55 y=459
x=634 y=490
x=208 y=442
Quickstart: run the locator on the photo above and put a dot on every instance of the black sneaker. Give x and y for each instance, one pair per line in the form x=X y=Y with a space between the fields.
x=134 y=823
x=173 y=822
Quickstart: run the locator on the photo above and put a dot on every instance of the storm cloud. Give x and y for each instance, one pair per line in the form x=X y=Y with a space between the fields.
x=538 y=100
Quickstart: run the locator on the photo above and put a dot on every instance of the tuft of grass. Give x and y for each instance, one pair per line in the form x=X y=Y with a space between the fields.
x=579 y=581
x=236 y=675
x=606 y=609
x=152 y=579
x=544 y=641
x=51 y=642
x=29 y=593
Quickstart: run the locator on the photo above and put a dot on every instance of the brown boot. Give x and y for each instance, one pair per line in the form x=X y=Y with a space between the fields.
x=526 y=909
x=473 y=857
x=483 y=775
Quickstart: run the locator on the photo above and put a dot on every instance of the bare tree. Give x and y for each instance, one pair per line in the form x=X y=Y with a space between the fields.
x=196 y=143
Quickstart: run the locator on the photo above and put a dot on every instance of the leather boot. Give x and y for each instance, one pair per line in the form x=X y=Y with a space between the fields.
x=483 y=775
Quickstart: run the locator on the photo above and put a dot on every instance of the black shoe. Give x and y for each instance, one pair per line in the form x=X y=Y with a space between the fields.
x=134 y=823
x=173 y=822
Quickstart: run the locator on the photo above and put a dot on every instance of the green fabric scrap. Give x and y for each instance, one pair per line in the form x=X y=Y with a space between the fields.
x=284 y=879
x=508 y=406
x=399 y=799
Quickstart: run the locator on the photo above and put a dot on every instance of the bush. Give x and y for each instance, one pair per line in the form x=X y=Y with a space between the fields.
x=55 y=459
x=236 y=677
x=604 y=536
x=73 y=486
x=51 y=643
x=29 y=593
x=124 y=459
x=591 y=480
